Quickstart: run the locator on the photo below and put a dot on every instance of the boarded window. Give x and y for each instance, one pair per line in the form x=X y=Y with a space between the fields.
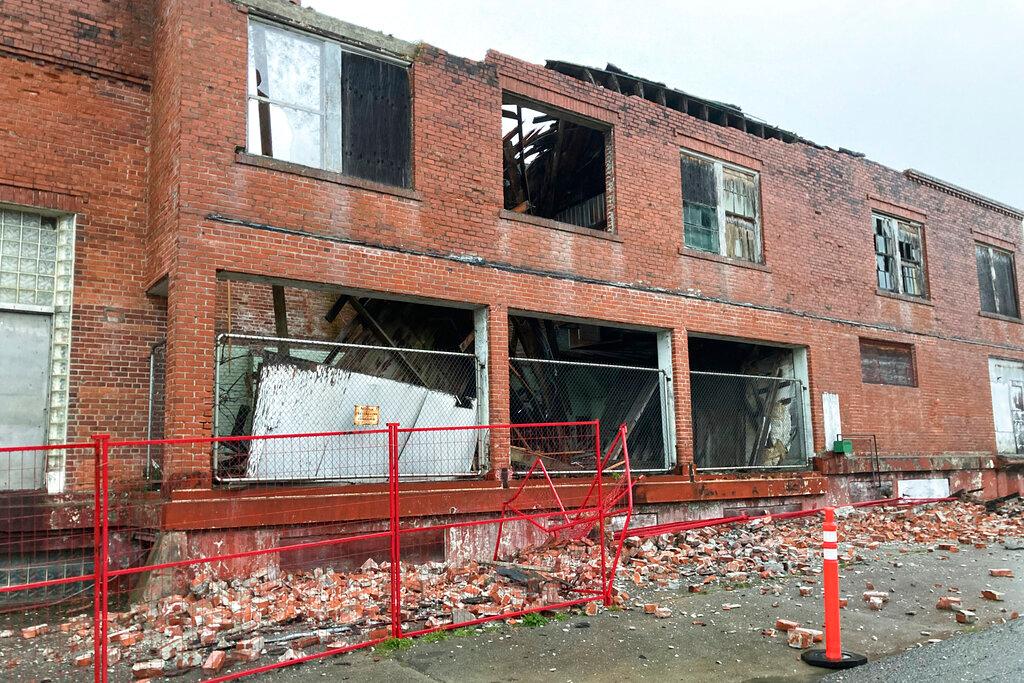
x=720 y=208
x=375 y=125
x=554 y=165
x=312 y=102
x=887 y=363
x=899 y=256
x=996 y=281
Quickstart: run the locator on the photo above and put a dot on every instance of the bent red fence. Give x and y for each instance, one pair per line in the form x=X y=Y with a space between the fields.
x=250 y=599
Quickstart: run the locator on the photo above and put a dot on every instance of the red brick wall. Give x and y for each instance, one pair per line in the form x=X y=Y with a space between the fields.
x=110 y=37
x=75 y=134
x=817 y=287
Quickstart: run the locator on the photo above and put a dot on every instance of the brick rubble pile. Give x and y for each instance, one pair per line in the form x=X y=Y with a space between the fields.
x=261 y=619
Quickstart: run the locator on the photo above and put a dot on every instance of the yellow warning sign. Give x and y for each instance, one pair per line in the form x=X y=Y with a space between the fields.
x=366 y=416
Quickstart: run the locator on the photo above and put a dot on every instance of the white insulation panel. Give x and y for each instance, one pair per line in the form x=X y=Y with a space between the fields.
x=295 y=400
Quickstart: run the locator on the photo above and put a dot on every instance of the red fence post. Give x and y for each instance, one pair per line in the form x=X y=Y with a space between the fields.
x=833 y=656
x=101 y=529
x=396 y=552
x=605 y=592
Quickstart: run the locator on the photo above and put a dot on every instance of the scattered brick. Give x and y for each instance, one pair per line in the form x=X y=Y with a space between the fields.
x=35 y=631
x=215 y=661
x=148 y=669
x=966 y=616
x=786 y=624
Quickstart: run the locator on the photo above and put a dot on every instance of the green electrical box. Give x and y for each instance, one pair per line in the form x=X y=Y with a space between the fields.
x=843 y=446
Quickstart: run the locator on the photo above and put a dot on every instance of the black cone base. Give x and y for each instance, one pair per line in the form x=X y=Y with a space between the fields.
x=818 y=658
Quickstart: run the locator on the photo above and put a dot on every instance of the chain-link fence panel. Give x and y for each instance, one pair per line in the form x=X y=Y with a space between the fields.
x=562 y=391
x=268 y=386
x=747 y=421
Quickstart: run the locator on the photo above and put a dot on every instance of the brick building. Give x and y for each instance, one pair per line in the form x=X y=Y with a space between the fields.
x=196 y=193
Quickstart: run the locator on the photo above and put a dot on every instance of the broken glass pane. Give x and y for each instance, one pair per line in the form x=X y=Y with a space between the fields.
x=885 y=261
x=296 y=133
x=1004 y=283
x=698 y=177
x=288 y=70
x=740 y=238
x=739 y=193
x=913 y=280
x=988 y=294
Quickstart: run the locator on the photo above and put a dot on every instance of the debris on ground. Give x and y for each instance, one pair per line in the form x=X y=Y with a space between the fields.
x=222 y=623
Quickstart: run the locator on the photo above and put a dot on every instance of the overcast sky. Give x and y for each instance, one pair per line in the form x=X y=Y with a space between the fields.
x=936 y=86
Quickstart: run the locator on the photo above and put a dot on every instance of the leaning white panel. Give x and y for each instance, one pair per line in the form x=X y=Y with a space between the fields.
x=296 y=400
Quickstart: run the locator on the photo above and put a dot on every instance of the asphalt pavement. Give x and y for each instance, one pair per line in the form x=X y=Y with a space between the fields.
x=993 y=655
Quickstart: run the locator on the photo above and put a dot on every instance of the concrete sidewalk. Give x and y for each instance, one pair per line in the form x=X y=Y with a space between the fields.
x=729 y=646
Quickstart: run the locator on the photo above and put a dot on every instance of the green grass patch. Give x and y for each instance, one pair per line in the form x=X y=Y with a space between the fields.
x=392 y=645
x=534 y=619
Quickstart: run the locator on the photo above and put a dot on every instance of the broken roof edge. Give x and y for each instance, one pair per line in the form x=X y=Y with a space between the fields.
x=614 y=78
x=720 y=113
x=963 y=193
x=314 y=21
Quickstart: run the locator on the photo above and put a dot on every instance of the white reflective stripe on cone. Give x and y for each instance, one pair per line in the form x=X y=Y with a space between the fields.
x=831 y=554
x=831 y=536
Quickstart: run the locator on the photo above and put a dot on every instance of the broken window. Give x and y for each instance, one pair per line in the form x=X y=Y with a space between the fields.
x=746 y=405
x=887 y=363
x=996 y=280
x=720 y=208
x=312 y=102
x=899 y=256
x=554 y=165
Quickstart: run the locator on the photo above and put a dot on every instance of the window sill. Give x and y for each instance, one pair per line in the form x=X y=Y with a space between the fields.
x=904 y=297
x=999 y=316
x=718 y=258
x=558 y=225
x=320 y=174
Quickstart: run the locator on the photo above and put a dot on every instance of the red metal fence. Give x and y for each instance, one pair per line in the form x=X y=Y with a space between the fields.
x=334 y=589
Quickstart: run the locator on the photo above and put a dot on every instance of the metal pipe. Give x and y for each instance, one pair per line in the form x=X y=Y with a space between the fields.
x=736 y=374
x=318 y=342
x=587 y=365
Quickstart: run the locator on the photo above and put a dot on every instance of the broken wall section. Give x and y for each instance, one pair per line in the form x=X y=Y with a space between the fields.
x=565 y=371
x=370 y=362
x=747 y=405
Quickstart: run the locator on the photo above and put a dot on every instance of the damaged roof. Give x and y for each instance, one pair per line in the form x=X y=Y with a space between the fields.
x=720 y=113
x=732 y=116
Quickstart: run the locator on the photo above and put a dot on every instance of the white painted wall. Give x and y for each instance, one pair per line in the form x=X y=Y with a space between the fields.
x=830 y=418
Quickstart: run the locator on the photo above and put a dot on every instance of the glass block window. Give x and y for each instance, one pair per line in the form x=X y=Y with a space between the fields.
x=37 y=255
x=28 y=258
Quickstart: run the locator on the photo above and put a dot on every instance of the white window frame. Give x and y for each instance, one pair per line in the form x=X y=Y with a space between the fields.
x=329 y=112
x=720 y=167
x=892 y=232
x=331 y=55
